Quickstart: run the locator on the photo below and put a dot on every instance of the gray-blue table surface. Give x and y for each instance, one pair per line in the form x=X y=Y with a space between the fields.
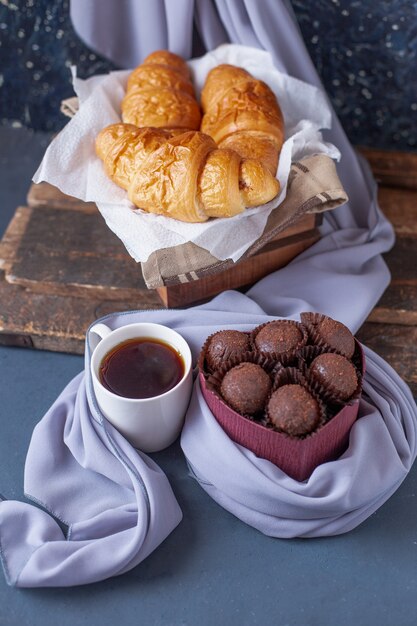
x=213 y=569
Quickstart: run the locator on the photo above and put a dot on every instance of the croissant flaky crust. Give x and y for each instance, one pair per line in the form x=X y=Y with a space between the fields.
x=160 y=94
x=182 y=174
x=242 y=113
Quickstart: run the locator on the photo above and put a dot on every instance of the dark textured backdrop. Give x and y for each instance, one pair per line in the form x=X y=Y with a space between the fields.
x=365 y=52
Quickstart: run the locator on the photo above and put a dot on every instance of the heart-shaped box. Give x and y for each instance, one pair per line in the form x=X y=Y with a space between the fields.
x=297 y=457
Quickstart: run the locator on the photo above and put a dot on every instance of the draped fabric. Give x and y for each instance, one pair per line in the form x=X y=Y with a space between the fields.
x=74 y=452
x=117 y=503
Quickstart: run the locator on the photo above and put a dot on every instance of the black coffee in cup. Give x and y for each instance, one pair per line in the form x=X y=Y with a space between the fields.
x=141 y=368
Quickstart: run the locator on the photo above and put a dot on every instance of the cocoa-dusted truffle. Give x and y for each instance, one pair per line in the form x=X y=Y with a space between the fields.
x=293 y=410
x=336 y=371
x=245 y=388
x=224 y=345
x=337 y=336
x=278 y=337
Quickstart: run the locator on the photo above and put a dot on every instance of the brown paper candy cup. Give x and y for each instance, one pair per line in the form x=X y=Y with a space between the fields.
x=311 y=321
x=202 y=361
x=289 y=356
x=214 y=381
x=294 y=376
x=326 y=391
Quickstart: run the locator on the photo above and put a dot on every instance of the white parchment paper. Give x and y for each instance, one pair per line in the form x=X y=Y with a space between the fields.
x=70 y=162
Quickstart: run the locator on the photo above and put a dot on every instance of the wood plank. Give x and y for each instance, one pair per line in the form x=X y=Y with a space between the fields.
x=50 y=322
x=44 y=195
x=13 y=235
x=391 y=167
x=143 y=297
x=400 y=207
x=398 y=305
x=52 y=254
x=48 y=252
x=402 y=261
x=397 y=344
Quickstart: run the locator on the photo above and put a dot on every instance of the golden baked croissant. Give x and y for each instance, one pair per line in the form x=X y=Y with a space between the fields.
x=242 y=113
x=160 y=93
x=182 y=174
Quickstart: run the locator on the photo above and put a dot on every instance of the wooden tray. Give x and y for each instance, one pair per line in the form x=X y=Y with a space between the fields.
x=61 y=267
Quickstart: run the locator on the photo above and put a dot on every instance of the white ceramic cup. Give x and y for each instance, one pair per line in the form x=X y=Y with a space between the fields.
x=150 y=424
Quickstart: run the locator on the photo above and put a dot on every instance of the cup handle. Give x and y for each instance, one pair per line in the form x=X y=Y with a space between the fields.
x=96 y=334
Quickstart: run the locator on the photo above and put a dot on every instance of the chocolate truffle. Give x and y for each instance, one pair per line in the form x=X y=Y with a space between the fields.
x=335 y=371
x=224 y=345
x=293 y=410
x=278 y=337
x=337 y=336
x=245 y=388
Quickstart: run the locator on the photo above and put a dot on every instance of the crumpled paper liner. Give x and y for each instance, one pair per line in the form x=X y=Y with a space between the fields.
x=326 y=391
x=311 y=321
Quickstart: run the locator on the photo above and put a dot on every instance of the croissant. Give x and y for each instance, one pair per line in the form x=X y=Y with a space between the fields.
x=160 y=94
x=182 y=174
x=242 y=113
